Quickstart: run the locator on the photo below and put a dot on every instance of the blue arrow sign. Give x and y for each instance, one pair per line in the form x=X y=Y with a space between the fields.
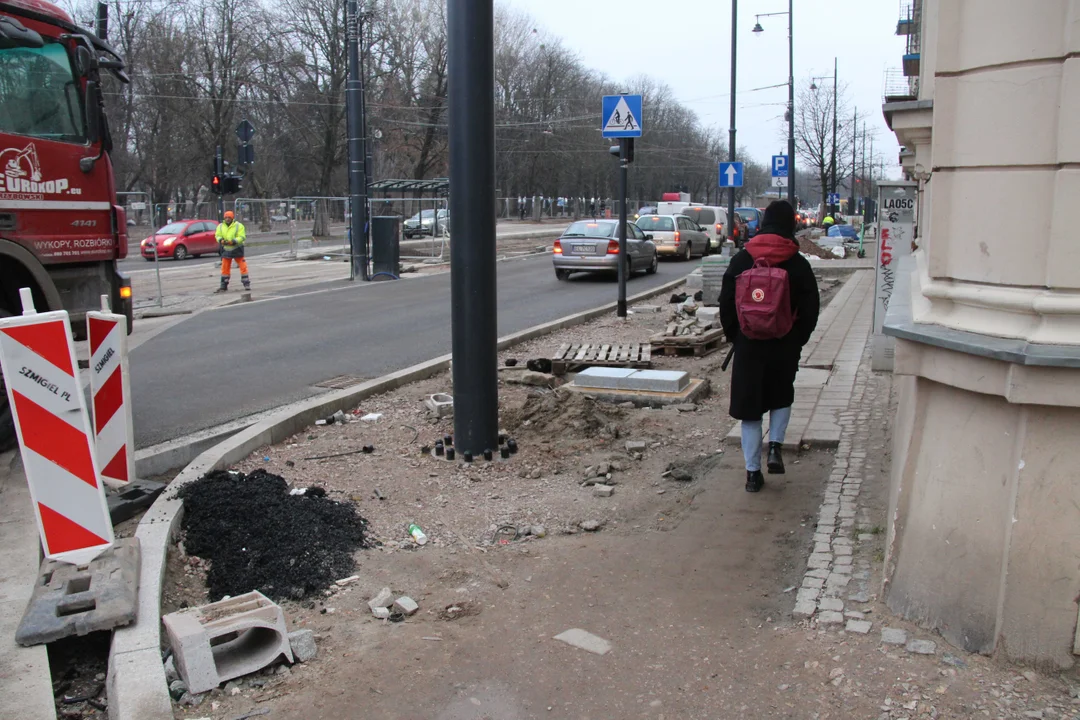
x=834 y=198
x=621 y=116
x=731 y=174
x=779 y=166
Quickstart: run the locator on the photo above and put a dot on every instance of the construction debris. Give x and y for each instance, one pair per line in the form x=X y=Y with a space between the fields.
x=300 y=545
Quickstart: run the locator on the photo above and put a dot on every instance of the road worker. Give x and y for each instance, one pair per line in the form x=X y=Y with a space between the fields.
x=230 y=236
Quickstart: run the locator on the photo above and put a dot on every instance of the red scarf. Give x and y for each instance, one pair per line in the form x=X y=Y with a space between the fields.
x=773 y=249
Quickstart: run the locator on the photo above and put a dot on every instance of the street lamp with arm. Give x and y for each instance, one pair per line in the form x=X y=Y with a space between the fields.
x=791 y=92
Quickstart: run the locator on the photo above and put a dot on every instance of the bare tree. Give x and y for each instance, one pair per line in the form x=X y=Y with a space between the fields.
x=814 y=110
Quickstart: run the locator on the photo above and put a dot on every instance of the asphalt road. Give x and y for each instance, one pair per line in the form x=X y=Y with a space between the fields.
x=234 y=361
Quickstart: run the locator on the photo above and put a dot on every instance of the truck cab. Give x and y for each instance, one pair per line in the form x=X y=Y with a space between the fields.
x=61 y=228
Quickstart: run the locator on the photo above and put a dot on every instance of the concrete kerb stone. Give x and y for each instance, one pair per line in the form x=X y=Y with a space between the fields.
x=147 y=696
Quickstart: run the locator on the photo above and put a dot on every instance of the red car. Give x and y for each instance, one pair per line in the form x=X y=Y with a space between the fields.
x=181 y=240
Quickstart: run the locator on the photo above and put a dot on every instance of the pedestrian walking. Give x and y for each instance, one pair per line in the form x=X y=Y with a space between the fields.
x=769 y=305
x=231 y=236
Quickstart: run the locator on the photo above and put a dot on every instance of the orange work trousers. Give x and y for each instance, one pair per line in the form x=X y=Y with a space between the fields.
x=226 y=266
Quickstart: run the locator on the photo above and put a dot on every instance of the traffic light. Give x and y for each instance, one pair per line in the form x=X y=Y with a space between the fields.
x=614 y=149
x=215 y=185
x=232 y=184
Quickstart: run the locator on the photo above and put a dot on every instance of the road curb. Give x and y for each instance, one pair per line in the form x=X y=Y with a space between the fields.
x=137 y=688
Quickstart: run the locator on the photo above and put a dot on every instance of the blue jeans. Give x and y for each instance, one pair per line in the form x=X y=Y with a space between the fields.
x=751 y=435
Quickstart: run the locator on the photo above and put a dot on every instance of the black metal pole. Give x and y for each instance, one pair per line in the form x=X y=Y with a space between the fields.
x=219 y=170
x=354 y=104
x=832 y=165
x=854 y=147
x=731 y=121
x=623 y=257
x=471 y=65
x=791 y=105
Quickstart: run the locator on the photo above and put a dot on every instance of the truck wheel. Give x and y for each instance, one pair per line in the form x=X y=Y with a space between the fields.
x=7 y=423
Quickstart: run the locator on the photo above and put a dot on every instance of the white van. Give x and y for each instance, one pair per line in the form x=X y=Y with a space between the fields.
x=710 y=217
x=671 y=207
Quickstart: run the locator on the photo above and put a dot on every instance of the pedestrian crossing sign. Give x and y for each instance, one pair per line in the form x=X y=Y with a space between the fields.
x=621 y=116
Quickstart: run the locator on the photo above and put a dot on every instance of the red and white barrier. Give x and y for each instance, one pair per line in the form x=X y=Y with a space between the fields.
x=37 y=358
x=110 y=390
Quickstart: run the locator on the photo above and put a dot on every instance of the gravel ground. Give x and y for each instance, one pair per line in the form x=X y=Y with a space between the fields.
x=542 y=494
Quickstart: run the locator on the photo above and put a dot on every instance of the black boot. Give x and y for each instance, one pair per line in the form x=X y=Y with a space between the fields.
x=776 y=460
x=754 y=480
x=224 y=287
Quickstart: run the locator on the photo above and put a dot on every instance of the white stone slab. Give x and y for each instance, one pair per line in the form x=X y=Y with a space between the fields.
x=603 y=377
x=585 y=640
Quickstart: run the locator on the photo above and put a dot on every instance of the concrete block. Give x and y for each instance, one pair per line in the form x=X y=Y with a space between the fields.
x=708 y=316
x=804 y=608
x=76 y=600
x=303 y=645
x=603 y=491
x=227 y=639
x=830 y=617
x=812 y=582
x=636 y=446
x=381 y=613
x=585 y=641
x=893 y=636
x=667 y=381
x=921 y=647
x=406 y=605
x=384 y=599
x=440 y=404
x=808 y=594
x=818 y=573
x=834 y=604
x=607 y=378
x=859 y=627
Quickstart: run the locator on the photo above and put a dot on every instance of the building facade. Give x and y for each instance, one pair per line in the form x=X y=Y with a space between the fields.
x=984 y=526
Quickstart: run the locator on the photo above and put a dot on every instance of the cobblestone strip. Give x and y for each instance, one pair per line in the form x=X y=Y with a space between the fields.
x=837 y=579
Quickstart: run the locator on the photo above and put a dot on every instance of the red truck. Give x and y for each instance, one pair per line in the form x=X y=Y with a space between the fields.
x=61 y=229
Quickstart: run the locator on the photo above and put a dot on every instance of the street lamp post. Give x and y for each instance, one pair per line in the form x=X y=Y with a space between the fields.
x=731 y=125
x=832 y=164
x=791 y=91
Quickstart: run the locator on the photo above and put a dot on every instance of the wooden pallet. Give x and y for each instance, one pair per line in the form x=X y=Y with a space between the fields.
x=574 y=355
x=697 y=345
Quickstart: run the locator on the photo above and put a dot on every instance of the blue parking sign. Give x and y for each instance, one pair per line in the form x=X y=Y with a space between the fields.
x=779 y=165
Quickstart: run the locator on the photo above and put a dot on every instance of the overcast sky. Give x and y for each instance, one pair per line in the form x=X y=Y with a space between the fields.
x=687 y=45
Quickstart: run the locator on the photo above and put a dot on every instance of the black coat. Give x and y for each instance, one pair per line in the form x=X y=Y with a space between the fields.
x=763 y=374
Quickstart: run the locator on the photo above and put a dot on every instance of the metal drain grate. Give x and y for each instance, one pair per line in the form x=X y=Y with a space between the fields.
x=340 y=382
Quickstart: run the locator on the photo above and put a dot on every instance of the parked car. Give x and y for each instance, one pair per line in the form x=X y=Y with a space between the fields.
x=181 y=240
x=593 y=246
x=752 y=216
x=427 y=222
x=675 y=235
x=710 y=217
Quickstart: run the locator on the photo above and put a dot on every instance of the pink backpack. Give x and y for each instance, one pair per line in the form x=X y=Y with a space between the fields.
x=763 y=302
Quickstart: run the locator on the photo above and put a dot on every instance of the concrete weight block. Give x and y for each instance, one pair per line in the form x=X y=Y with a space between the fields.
x=228 y=639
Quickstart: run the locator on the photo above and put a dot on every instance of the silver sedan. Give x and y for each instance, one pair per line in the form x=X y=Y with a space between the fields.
x=593 y=246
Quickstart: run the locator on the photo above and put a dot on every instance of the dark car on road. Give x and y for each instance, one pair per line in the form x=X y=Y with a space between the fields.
x=593 y=245
x=752 y=217
x=181 y=240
